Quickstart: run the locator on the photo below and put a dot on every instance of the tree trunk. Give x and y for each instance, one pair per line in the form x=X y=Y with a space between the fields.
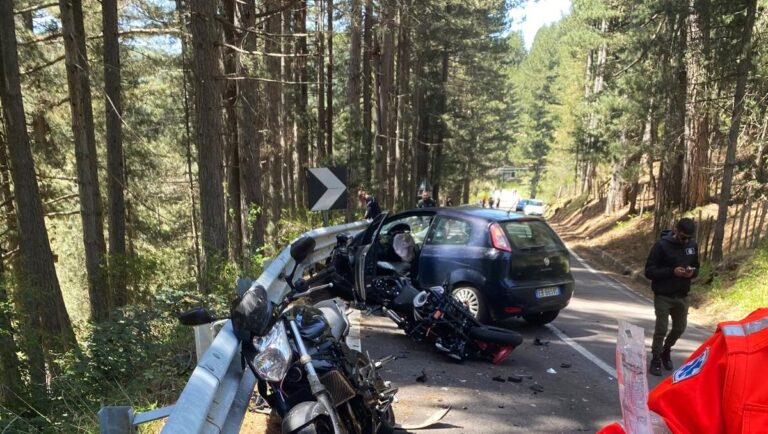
x=11 y=383
x=78 y=80
x=115 y=172
x=250 y=137
x=674 y=131
x=208 y=70
x=232 y=169
x=614 y=200
x=417 y=149
x=287 y=95
x=742 y=73
x=695 y=179
x=380 y=146
x=47 y=328
x=273 y=91
x=11 y=387
x=367 y=101
x=442 y=108
x=302 y=101
x=403 y=81
x=386 y=132
x=320 y=47
x=353 y=100
x=182 y=13
x=329 y=85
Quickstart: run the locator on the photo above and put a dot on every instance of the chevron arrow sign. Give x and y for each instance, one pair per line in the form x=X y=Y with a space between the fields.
x=326 y=187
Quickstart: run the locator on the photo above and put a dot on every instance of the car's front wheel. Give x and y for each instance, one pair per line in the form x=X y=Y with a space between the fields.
x=471 y=298
x=541 y=318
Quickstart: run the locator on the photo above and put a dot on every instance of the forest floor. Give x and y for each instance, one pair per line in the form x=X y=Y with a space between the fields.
x=619 y=244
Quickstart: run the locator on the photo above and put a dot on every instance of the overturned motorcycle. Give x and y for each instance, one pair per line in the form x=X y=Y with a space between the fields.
x=305 y=370
x=429 y=314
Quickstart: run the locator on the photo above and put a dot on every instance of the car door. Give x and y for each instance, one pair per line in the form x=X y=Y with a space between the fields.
x=450 y=246
x=371 y=244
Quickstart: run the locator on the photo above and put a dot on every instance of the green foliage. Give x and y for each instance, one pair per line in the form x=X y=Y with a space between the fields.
x=736 y=287
x=141 y=355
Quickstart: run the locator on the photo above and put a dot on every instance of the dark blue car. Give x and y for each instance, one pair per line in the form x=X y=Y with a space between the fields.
x=500 y=264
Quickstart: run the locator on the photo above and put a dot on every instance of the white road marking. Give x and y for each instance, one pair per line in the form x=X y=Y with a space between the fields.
x=583 y=351
x=353 y=338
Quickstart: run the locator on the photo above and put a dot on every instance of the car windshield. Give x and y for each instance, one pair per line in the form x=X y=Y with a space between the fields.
x=535 y=202
x=530 y=234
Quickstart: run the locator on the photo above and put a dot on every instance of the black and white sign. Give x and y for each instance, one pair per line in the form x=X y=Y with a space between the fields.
x=326 y=188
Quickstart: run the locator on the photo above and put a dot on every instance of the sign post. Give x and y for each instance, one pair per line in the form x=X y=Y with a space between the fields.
x=326 y=188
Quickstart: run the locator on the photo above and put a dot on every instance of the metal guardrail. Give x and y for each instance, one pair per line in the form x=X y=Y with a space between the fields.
x=216 y=397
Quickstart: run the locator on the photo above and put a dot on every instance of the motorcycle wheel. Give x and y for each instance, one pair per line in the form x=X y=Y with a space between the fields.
x=321 y=425
x=496 y=335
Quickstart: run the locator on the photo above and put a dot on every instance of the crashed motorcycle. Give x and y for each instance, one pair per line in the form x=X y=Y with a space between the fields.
x=429 y=314
x=305 y=370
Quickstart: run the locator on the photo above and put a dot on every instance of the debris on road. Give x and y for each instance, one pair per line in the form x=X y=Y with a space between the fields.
x=537 y=388
x=499 y=379
x=515 y=378
x=539 y=342
x=423 y=377
x=551 y=371
x=565 y=365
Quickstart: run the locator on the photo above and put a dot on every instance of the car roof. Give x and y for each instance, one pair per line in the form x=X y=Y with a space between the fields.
x=490 y=214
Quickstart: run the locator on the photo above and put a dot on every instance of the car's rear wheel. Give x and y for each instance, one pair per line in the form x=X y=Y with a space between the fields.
x=471 y=298
x=541 y=318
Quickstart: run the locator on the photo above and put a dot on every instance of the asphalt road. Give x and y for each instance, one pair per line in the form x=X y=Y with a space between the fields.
x=581 y=396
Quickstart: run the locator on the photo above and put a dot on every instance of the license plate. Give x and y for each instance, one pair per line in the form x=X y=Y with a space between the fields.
x=550 y=291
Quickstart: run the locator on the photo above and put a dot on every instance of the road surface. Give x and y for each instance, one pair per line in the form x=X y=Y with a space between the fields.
x=582 y=394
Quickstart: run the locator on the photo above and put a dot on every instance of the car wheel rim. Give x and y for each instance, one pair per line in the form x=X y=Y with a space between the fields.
x=469 y=299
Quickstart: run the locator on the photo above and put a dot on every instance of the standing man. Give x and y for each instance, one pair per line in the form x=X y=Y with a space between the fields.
x=372 y=208
x=426 y=201
x=672 y=263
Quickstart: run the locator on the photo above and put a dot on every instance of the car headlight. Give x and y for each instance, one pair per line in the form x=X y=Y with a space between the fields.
x=274 y=354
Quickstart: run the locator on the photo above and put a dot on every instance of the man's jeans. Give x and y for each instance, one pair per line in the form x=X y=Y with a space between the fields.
x=677 y=308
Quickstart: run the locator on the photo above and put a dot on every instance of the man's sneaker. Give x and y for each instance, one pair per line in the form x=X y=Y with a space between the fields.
x=655 y=368
x=666 y=359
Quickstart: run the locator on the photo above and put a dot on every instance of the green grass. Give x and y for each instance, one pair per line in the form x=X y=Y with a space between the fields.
x=741 y=290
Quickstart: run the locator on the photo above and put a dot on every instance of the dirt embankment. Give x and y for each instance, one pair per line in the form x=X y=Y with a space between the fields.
x=619 y=244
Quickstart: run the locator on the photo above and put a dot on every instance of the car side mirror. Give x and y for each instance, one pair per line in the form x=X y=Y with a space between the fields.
x=302 y=248
x=195 y=317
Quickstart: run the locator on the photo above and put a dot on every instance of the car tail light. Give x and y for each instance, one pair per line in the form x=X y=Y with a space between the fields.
x=499 y=239
x=513 y=309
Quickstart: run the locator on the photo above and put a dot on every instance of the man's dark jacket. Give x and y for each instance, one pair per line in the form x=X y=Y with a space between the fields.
x=665 y=256
x=426 y=203
x=371 y=208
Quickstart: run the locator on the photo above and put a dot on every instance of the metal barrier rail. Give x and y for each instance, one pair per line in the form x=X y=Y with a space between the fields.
x=216 y=397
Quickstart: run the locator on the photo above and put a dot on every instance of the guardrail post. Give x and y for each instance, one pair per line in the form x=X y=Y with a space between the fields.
x=116 y=420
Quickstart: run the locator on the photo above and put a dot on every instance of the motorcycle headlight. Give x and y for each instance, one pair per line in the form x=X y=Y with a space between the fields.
x=274 y=354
